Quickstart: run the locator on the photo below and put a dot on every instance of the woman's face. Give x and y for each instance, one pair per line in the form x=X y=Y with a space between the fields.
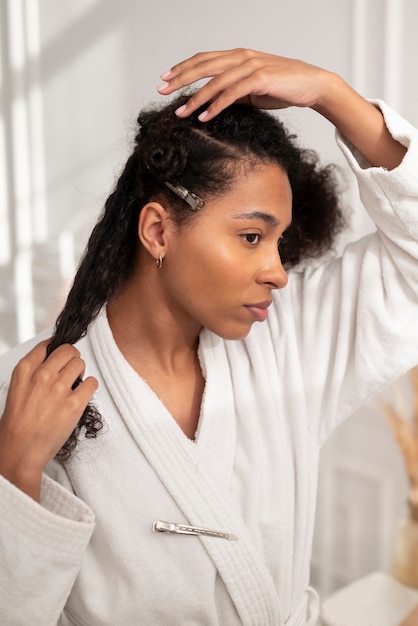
x=220 y=270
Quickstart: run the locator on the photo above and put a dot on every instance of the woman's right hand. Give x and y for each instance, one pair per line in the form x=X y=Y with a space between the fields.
x=41 y=412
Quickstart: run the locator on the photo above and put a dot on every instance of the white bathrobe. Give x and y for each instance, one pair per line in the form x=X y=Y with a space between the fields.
x=335 y=335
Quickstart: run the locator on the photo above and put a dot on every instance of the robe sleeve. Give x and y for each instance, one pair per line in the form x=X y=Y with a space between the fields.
x=356 y=317
x=41 y=550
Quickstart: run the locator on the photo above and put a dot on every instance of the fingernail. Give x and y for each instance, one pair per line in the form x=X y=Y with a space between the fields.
x=180 y=110
x=162 y=87
x=165 y=75
x=203 y=116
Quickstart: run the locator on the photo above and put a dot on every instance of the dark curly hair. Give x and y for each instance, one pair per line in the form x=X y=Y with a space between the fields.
x=205 y=158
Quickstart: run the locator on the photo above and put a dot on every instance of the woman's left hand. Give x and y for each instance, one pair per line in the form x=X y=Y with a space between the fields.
x=268 y=81
x=263 y=80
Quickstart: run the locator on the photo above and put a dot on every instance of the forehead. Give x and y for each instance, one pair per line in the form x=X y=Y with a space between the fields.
x=261 y=190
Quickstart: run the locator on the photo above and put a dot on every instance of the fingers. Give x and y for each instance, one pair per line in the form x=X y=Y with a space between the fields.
x=59 y=371
x=200 y=65
x=237 y=85
x=225 y=67
x=62 y=369
x=85 y=390
x=237 y=75
x=61 y=356
x=37 y=355
x=222 y=91
x=263 y=80
x=72 y=370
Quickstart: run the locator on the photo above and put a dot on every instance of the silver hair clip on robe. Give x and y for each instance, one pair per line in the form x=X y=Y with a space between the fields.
x=194 y=201
x=184 y=529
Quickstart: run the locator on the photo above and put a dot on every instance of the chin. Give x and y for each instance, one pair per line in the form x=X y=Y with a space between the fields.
x=233 y=335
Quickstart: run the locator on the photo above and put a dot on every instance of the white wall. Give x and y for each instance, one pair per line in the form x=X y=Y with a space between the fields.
x=74 y=75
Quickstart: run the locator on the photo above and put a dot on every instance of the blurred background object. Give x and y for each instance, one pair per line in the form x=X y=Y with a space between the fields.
x=402 y=416
x=73 y=77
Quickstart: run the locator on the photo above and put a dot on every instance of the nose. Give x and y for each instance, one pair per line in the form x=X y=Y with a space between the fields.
x=273 y=275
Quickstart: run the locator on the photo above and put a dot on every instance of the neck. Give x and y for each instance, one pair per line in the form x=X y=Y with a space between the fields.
x=146 y=331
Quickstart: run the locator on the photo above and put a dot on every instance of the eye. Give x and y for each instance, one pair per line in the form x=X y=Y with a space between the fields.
x=252 y=238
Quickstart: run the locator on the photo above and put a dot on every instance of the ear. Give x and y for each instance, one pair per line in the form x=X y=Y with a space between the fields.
x=152 y=228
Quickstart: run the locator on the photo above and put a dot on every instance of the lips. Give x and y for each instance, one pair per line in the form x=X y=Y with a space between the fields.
x=259 y=310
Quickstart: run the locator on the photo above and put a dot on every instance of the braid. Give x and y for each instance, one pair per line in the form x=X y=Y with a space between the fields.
x=106 y=262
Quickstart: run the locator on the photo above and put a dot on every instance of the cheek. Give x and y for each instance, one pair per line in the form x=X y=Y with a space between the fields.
x=206 y=270
x=217 y=268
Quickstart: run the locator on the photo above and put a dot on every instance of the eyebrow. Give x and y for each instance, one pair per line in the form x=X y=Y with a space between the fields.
x=258 y=215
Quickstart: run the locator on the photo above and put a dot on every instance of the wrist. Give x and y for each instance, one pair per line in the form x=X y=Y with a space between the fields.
x=23 y=473
x=26 y=479
x=334 y=94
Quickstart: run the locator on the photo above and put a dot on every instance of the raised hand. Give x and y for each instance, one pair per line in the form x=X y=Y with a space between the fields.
x=272 y=82
x=41 y=412
x=263 y=80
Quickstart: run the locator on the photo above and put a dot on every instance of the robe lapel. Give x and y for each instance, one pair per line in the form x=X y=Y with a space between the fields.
x=196 y=475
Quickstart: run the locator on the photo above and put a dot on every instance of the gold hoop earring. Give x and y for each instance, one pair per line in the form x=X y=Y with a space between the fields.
x=159 y=262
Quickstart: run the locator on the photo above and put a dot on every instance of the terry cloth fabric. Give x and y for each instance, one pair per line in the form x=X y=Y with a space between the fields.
x=335 y=335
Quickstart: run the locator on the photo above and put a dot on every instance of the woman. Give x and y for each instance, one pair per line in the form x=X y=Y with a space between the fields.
x=195 y=502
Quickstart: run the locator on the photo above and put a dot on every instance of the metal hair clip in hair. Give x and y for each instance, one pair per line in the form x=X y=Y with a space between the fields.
x=194 y=201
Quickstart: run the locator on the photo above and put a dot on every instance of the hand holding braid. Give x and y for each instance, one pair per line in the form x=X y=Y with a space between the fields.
x=42 y=410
